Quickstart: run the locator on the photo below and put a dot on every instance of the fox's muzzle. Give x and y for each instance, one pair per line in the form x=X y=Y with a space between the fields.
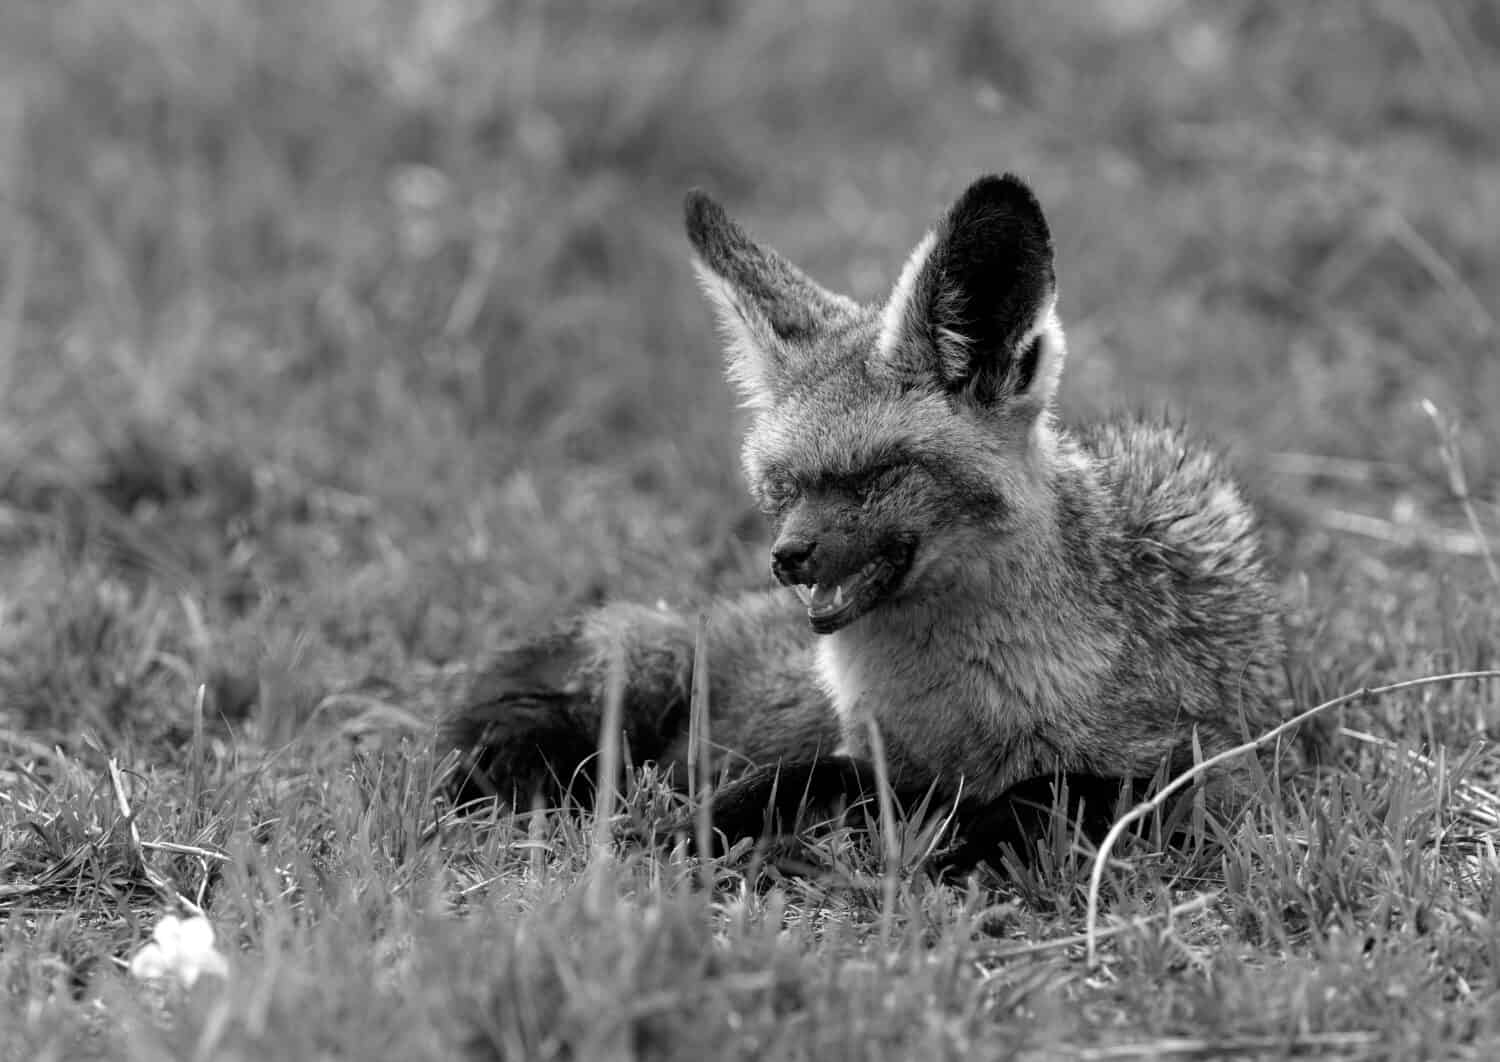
x=836 y=580
x=791 y=560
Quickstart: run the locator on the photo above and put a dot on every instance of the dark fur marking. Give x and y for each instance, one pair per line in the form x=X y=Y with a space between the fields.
x=526 y=733
x=520 y=748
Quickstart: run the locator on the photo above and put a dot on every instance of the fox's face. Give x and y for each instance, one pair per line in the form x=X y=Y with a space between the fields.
x=889 y=439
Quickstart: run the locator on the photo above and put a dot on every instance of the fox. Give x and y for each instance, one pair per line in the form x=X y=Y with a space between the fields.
x=1006 y=601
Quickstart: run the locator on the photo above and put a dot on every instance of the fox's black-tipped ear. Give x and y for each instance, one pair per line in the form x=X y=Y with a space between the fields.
x=767 y=307
x=974 y=305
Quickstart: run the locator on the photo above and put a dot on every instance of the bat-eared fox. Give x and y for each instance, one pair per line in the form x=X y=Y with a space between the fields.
x=1011 y=602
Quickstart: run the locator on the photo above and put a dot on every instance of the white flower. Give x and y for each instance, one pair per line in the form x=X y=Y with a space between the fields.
x=181 y=949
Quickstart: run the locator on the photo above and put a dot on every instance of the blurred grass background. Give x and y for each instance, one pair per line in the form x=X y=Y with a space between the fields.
x=340 y=341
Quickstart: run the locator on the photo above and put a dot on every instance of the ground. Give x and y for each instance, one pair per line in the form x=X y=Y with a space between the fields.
x=341 y=342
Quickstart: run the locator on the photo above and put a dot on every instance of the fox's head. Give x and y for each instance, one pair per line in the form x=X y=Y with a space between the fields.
x=891 y=441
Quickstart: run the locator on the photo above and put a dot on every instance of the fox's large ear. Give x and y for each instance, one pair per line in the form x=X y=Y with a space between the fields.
x=974 y=307
x=768 y=309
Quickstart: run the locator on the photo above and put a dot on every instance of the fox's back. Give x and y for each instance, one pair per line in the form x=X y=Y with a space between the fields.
x=1175 y=492
x=1192 y=580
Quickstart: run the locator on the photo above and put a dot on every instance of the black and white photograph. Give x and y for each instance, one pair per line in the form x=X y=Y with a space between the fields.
x=626 y=530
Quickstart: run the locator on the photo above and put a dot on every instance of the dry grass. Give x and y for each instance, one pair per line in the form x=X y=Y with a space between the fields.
x=341 y=342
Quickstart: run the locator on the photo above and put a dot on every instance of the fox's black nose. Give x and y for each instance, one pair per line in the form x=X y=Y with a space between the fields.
x=790 y=557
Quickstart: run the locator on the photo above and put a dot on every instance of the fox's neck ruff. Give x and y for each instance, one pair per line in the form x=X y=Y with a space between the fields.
x=1016 y=641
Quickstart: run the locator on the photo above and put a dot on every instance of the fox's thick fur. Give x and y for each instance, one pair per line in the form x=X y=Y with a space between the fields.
x=1007 y=600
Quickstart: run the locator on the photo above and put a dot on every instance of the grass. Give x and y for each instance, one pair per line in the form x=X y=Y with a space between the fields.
x=340 y=343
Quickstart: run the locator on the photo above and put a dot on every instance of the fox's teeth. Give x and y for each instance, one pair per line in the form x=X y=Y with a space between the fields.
x=824 y=597
x=838 y=596
x=804 y=593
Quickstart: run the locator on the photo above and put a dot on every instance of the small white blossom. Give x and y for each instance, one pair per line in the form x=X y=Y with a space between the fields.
x=181 y=949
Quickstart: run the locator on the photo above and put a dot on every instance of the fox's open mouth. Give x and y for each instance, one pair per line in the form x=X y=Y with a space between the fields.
x=834 y=604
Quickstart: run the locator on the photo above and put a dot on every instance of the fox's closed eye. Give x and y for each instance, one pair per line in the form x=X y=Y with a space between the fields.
x=780 y=490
